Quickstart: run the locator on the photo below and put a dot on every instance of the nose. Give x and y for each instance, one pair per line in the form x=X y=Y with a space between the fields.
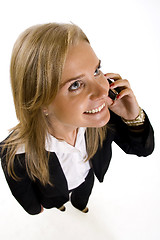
x=99 y=89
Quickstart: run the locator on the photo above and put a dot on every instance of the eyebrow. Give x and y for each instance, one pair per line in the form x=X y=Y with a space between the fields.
x=78 y=77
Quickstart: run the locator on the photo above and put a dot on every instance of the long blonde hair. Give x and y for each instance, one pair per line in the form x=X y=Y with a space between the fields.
x=36 y=67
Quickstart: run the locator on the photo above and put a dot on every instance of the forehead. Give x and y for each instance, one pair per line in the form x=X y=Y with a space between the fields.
x=79 y=58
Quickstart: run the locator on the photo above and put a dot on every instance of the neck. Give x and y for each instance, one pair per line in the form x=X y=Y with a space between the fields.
x=66 y=135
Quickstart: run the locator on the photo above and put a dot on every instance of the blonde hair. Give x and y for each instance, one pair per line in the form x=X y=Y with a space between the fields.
x=36 y=67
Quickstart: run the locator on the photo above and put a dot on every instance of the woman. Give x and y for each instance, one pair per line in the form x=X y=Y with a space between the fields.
x=67 y=121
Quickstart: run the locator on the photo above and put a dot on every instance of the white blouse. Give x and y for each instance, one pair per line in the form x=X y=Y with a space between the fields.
x=72 y=159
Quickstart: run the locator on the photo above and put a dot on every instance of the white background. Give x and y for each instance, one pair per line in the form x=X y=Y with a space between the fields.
x=125 y=34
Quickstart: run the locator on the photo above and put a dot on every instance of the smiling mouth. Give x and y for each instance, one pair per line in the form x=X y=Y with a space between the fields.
x=96 y=110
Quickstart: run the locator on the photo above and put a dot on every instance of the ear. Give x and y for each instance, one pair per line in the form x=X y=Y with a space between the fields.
x=45 y=111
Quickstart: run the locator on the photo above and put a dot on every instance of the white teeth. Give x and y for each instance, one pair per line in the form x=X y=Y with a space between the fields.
x=96 y=109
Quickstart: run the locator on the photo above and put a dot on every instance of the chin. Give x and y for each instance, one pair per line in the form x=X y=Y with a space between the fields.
x=101 y=122
x=99 y=125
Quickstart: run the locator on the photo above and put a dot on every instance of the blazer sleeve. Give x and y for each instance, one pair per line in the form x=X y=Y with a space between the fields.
x=132 y=140
x=22 y=190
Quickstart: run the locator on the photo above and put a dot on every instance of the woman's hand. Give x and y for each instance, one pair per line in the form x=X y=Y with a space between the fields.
x=125 y=105
x=42 y=209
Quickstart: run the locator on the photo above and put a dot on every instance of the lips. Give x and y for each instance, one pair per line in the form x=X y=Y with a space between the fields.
x=96 y=110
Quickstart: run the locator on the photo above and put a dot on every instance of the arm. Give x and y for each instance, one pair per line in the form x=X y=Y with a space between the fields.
x=132 y=140
x=22 y=190
x=137 y=140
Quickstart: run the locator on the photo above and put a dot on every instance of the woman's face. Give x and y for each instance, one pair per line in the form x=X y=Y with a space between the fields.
x=82 y=100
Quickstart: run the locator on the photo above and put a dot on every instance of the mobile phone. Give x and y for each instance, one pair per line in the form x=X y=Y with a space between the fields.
x=114 y=92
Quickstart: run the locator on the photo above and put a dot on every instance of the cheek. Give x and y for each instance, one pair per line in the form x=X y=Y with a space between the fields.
x=67 y=109
x=76 y=104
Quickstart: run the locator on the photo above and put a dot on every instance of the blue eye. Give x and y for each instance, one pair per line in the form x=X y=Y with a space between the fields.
x=97 y=71
x=75 y=86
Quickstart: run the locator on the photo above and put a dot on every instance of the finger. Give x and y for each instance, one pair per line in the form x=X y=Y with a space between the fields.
x=124 y=92
x=123 y=83
x=114 y=76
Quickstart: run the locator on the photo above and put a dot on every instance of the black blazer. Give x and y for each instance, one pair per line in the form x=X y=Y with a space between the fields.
x=31 y=195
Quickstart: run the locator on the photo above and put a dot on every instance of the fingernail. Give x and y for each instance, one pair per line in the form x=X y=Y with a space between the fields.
x=112 y=84
x=118 y=96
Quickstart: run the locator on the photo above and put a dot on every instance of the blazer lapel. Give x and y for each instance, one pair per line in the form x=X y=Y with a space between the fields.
x=57 y=176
